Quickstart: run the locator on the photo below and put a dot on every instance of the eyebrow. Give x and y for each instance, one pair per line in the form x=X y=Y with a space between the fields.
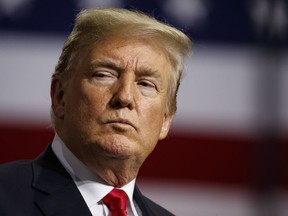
x=107 y=62
x=147 y=71
x=116 y=65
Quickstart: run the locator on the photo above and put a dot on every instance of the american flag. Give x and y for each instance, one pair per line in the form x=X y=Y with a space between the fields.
x=227 y=151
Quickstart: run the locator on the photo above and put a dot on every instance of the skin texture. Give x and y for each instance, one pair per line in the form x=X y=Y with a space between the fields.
x=112 y=110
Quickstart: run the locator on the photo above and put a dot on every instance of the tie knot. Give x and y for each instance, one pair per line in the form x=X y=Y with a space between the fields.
x=116 y=200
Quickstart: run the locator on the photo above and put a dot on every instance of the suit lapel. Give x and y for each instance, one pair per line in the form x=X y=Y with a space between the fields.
x=144 y=207
x=148 y=207
x=62 y=195
x=65 y=201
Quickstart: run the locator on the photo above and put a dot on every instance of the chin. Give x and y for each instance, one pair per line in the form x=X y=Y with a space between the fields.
x=120 y=151
x=119 y=148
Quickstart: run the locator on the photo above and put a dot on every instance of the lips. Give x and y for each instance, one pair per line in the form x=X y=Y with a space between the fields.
x=121 y=121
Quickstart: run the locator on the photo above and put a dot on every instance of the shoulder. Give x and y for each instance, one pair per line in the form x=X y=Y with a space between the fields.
x=157 y=208
x=149 y=207
x=15 y=167
x=17 y=171
x=15 y=184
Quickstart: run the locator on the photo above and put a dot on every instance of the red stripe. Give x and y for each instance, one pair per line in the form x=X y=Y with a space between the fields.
x=212 y=158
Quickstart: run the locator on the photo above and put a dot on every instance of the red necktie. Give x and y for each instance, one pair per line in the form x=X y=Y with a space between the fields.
x=116 y=201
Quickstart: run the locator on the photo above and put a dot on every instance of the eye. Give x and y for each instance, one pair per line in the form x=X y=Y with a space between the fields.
x=147 y=84
x=104 y=75
x=147 y=88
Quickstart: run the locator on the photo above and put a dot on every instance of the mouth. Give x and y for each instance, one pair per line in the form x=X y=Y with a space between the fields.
x=121 y=123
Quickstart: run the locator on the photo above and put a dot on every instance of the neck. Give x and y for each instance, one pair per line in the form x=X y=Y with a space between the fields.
x=115 y=170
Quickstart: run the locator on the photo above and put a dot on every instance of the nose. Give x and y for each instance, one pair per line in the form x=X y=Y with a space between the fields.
x=124 y=94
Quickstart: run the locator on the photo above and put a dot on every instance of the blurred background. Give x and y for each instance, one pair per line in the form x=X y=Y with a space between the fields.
x=227 y=152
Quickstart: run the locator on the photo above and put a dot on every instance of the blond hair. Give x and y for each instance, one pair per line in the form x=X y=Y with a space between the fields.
x=93 y=25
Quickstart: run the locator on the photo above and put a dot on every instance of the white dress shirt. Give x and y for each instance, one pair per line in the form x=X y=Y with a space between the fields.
x=92 y=187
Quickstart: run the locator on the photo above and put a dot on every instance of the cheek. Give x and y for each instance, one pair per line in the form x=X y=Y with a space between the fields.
x=91 y=107
x=85 y=99
x=152 y=118
x=77 y=107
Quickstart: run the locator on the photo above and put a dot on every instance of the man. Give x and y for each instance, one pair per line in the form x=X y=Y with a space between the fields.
x=113 y=97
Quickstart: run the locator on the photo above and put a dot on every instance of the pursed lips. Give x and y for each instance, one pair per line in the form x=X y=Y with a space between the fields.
x=121 y=121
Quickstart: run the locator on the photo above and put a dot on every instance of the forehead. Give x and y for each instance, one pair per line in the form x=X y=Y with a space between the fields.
x=129 y=52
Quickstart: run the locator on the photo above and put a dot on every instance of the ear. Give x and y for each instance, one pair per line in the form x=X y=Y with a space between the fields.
x=57 y=98
x=167 y=120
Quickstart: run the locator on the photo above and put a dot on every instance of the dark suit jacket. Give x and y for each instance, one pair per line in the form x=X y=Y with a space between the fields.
x=43 y=187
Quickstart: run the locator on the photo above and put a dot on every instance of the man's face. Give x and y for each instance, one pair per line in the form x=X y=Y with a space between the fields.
x=114 y=104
